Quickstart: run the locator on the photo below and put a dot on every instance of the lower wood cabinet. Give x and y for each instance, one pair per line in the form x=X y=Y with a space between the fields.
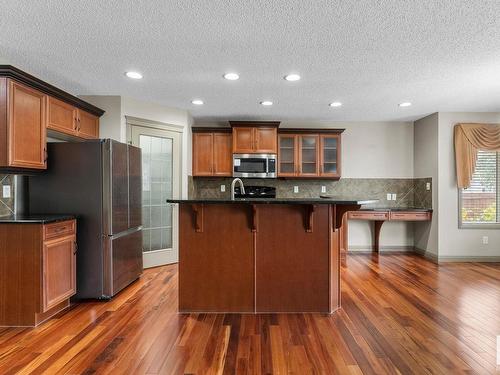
x=37 y=271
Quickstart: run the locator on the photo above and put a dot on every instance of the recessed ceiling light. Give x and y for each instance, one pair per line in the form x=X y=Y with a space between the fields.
x=231 y=76
x=404 y=104
x=336 y=104
x=266 y=102
x=197 y=102
x=292 y=77
x=134 y=75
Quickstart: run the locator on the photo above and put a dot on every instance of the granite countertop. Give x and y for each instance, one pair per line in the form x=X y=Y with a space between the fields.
x=331 y=200
x=416 y=209
x=34 y=219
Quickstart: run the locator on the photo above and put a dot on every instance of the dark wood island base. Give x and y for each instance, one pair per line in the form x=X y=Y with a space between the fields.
x=260 y=257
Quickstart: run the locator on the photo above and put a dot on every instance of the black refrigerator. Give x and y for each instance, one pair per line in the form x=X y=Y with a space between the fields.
x=100 y=182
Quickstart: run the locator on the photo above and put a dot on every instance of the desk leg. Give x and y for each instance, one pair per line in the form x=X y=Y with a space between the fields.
x=378 y=226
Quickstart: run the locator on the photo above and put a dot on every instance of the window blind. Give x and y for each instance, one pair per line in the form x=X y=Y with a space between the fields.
x=479 y=202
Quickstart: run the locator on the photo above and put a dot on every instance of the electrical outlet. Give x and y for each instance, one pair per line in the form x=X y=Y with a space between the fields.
x=485 y=240
x=389 y=196
x=428 y=186
x=393 y=196
x=6 y=191
x=295 y=189
x=323 y=189
x=223 y=188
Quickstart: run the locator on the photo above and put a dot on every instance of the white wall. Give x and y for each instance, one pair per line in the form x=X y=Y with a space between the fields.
x=370 y=150
x=426 y=165
x=110 y=122
x=455 y=242
x=113 y=123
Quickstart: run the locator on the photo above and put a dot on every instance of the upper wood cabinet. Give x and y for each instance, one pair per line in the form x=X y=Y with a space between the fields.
x=254 y=137
x=309 y=154
x=23 y=119
x=212 y=153
x=67 y=119
x=88 y=125
x=28 y=108
x=62 y=116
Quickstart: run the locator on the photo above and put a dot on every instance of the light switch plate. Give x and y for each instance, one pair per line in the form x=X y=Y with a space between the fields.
x=6 y=191
x=393 y=196
x=295 y=189
x=428 y=186
x=223 y=188
x=323 y=189
x=485 y=240
x=389 y=196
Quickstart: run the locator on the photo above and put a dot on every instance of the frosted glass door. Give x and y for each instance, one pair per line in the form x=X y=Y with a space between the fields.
x=156 y=189
x=160 y=151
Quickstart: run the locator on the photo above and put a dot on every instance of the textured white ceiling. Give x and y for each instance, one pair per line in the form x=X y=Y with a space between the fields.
x=371 y=55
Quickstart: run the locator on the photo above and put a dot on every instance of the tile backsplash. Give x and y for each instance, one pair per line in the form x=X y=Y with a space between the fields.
x=6 y=204
x=410 y=192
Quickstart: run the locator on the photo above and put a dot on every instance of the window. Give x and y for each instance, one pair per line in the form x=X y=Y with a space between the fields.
x=479 y=203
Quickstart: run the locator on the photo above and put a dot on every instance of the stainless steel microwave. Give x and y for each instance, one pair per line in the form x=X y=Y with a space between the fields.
x=254 y=165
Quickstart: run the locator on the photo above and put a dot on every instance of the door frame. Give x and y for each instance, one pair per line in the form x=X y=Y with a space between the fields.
x=155 y=258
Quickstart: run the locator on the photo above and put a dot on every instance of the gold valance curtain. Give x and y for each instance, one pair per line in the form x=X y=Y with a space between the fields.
x=469 y=139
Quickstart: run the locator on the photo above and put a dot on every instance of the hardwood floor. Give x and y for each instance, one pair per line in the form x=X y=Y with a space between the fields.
x=401 y=314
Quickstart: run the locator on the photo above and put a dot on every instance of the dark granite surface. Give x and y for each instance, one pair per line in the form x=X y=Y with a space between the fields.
x=331 y=200
x=416 y=209
x=34 y=219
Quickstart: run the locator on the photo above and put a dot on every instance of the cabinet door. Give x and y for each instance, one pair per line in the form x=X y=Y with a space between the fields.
x=309 y=155
x=88 y=125
x=243 y=140
x=288 y=155
x=265 y=140
x=203 y=154
x=223 y=156
x=330 y=155
x=59 y=270
x=27 y=127
x=62 y=116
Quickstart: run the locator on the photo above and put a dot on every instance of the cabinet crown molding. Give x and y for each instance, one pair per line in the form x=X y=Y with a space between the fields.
x=14 y=73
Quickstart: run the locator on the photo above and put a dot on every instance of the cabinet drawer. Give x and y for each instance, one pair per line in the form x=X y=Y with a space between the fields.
x=59 y=229
x=369 y=215
x=411 y=216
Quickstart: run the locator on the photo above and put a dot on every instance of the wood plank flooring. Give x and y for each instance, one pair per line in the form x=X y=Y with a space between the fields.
x=401 y=315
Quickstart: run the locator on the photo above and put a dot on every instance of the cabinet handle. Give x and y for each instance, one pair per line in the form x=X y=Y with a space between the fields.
x=79 y=124
x=76 y=124
x=75 y=247
x=45 y=155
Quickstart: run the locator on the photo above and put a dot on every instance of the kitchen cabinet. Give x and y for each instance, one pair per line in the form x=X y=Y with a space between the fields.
x=308 y=154
x=67 y=119
x=212 y=153
x=37 y=272
x=29 y=108
x=88 y=125
x=23 y=119
x=254 y=137
x=329 y=155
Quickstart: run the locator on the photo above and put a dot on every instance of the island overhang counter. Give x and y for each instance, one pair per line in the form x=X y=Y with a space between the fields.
x=260 y=255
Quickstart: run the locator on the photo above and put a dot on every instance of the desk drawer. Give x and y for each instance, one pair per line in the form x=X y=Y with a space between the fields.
x=411 y=216
x=369 y=215
x=59 y=229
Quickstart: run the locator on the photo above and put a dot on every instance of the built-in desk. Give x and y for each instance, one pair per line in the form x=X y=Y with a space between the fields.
x=379 y=216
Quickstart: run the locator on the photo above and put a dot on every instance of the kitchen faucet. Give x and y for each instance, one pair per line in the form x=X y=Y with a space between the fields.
x=242 y=188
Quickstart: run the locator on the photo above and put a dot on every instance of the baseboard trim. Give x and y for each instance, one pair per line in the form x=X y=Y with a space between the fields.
x=449 y=259
x=480 y=259
x=383 y=249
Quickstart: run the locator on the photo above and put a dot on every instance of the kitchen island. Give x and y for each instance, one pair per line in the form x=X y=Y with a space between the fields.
x=260 y=255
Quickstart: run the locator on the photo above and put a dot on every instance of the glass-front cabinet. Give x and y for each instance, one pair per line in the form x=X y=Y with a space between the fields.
x=288 y=155
x=330 y=155
x=309 y=155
